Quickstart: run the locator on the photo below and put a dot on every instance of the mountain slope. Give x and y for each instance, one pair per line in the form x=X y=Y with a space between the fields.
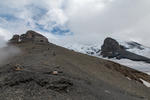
x=46 y=71
x=77 y=78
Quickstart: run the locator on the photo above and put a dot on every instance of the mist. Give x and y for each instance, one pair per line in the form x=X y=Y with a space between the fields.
x=7 y=51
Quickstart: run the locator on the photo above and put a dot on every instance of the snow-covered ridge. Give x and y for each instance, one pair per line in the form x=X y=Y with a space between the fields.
x=90 y=49
x=94 y=49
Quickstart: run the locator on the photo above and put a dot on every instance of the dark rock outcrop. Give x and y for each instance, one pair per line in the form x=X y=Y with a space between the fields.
x=15 y=39
x=112 y=49
x=29 y=36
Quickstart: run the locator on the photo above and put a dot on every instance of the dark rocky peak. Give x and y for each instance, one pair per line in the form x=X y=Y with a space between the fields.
x=29 y=36
x=111 y=47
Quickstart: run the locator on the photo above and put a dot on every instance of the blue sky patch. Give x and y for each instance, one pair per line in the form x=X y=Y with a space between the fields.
x=8 y=17
x=59 y=31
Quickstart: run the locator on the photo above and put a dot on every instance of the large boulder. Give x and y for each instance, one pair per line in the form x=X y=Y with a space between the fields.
x=29 y=36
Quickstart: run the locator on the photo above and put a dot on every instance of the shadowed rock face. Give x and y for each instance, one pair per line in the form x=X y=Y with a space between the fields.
x=29 y=36
x=110 y=45
x=112 y=49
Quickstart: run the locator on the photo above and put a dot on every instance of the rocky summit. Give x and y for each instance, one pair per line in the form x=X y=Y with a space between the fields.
x=44 y=71
x=112 y=49
x=29 y=36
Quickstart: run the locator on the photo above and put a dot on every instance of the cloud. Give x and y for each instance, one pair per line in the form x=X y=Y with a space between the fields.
x=117 y=18
x=5 y=50
x=4 y=34
x=88 y=20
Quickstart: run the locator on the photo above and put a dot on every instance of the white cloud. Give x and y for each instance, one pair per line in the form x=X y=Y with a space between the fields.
x=4 y=36
x=8 y=52
x=54 y=15
x=118 y=19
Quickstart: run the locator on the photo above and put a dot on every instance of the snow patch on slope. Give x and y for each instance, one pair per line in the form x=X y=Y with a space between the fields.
x=145 y=83
x=148 y=73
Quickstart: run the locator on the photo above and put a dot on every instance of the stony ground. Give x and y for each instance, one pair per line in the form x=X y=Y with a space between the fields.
x=48 y=72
